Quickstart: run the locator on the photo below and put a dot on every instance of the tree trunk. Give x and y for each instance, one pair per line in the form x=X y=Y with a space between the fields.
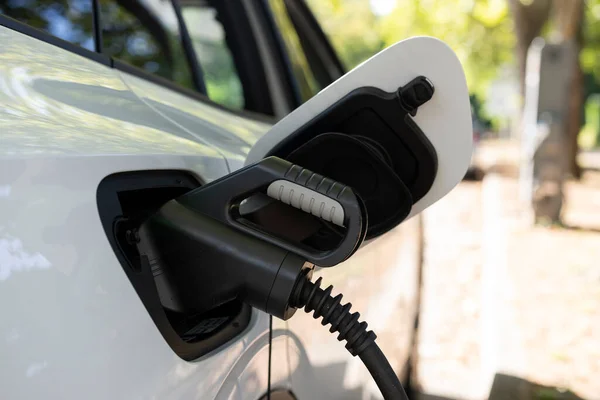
x=528 y=20
x=574 y=120
x=568 y=17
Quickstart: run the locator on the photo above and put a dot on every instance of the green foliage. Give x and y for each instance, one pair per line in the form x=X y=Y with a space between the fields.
x=590 y=54
x=351 y=28
x=133 y=33
x=480 y=32
x=478 y=111
x=590 y=133
x=53 y=16
x=590 y=63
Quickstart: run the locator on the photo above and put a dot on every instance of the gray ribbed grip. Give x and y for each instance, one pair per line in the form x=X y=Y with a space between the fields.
x=307 y=200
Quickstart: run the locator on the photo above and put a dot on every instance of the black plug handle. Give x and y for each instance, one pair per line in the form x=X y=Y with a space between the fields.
x=293 y=185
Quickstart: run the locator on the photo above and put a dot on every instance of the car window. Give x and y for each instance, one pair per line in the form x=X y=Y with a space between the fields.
x=145 y=34
x=305 y=79
x=70 y=20
x=223 y=84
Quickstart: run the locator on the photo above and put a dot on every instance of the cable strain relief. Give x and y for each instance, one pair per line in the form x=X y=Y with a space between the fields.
x=312 y=298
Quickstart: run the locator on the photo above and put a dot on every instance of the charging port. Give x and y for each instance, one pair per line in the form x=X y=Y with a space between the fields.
x=125 y=200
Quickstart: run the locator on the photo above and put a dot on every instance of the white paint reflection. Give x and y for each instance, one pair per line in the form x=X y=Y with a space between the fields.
x=4 y=190
x=14 y=258
x=5 y=88
x=12 y=336
x=35 y=368
x=180 y=372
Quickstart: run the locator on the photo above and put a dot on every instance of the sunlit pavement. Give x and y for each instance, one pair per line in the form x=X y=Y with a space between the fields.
x=506 y=305
x=590 y=159
x=449 y=347
x=494 y=152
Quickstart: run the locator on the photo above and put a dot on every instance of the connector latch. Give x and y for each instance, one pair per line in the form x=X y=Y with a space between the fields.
x=414 y=94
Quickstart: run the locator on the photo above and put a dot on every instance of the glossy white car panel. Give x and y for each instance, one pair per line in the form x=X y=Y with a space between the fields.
x=445 y=119
x=232 y=135
x=72 y=325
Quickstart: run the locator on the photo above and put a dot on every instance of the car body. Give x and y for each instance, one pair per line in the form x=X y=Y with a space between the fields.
x=475 y=172
x=73 y=115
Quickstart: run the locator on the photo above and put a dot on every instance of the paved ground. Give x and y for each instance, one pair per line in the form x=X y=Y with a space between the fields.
x=553 y=293
x=449 y=354
x=510 y=311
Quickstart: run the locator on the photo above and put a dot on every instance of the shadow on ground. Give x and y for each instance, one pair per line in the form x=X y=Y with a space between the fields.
x=507 y=387
x=581 y=228
x=504 y=387
x=325 y=382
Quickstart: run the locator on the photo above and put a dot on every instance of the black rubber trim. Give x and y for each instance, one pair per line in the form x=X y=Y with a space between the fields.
x=130 y=69
x=280 y=53
x=246 y=57
x=322 y=59
x=264 y=23
x=53 y=40
x=323 y=39
x=414 y=145
x=190 y=53
x=97 y=25
x=109 y=209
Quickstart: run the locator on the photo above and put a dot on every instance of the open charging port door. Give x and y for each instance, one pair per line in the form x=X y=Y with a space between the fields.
x=404 y=114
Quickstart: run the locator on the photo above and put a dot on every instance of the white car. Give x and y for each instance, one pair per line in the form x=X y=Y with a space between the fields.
x=111 y=108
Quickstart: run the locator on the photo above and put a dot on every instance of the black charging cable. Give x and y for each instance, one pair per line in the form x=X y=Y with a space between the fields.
x=359 y=341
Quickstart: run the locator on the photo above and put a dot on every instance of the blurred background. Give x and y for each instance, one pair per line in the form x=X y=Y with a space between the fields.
x=510 y=304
